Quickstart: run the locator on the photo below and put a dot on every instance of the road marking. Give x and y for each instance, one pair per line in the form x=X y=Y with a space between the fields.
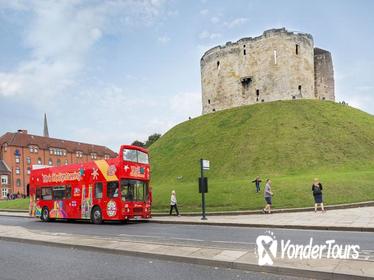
x=233 y=242
x=187 y=239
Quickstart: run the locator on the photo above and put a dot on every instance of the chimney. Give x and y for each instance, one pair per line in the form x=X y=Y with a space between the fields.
x=23 y=131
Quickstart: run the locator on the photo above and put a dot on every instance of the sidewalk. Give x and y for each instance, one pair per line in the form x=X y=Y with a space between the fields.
x=244 y=259
x=353 y=219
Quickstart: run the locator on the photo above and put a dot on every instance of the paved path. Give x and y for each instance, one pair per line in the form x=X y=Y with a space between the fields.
x=359 y=219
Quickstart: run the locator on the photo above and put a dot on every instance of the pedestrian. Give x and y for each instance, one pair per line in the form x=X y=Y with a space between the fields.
x=7 y=196
x=268 y=197
x=317 y=193
x=173 y=203
x=257 y=182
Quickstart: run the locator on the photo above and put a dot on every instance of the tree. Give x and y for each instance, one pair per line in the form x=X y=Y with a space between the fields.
x=138 y=143
x=152 y=139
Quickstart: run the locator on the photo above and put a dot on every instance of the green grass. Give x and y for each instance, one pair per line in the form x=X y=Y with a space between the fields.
x=289 y=141
x=19 y=204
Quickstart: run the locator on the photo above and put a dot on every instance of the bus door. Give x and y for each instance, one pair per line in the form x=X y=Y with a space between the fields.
x=112 y=201
x=86 y=202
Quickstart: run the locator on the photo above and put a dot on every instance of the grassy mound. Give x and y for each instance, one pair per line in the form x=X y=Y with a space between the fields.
x=290 y=142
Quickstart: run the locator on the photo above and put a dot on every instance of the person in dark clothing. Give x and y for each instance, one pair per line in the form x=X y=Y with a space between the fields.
x=317 y=194
x=257 y=182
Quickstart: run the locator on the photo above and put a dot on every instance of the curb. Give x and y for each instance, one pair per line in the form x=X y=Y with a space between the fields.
x=289 y=271
x=331 y=228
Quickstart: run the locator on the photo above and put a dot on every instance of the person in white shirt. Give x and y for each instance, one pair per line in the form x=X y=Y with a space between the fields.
x=173 y=203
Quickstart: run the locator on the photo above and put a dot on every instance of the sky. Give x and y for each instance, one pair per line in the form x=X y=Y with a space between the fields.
x=111 y=72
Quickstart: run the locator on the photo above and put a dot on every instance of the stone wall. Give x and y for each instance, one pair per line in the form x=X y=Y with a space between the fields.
x=278 y=65
x=324 y=75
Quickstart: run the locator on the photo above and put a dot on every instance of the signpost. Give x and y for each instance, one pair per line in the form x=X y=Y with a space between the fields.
x=203 y=184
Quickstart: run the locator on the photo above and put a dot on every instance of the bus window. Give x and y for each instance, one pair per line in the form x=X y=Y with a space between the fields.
x=38 y=193
x=112 y=189
x=135 y=156
x=68 y=192
x=46 y=193
x=58 y=192
x=98 y=190
x=133 y=190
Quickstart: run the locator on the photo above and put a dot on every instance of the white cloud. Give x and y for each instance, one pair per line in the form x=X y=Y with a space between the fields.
x=186 y=104
x=163 y=39
x=235 y=22
x=60 y=35
x=215 y=20
x=204 y=12
x=207 y=35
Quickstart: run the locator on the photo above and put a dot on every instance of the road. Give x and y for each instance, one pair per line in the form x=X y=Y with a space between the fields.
x=214 y=236
x=29 y=262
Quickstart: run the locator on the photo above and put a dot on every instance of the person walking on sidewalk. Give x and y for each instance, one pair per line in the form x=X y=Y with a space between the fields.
x=317 y=193
x=257 y=182
x=173 y=203
x=268 y=197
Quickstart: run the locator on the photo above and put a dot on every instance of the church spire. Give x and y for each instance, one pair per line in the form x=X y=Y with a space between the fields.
x=45 y=133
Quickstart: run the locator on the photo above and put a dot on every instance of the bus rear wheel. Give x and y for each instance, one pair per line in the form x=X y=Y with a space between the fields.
x=45 y=215
x=96 y=216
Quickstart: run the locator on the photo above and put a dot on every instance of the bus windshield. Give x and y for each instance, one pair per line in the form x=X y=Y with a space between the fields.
x=134 y=190
x=135 y=156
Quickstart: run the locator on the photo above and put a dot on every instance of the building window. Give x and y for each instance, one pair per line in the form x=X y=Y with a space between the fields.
x=323 y=98
x=28 y=170
x=79 y=154
x=262 y=100
x=214 y=110
x=208 y=101
x=18 y=182
x=50 y=162
x=5 y=147
x=299 y=89
x=39 y=161
x=4 y=192
x=106 y=156
x=64 y=152
x=293 y=97
x=35 y=150
x=17 y=159
x=4 y=179
x=28 y=160
x=93 y=155
x=66 y=162
x=257 y=92
x=244 y=52
x=58 y=162
x=51 y=151
x=218 y=64
x=18 y=171
x=297 y=49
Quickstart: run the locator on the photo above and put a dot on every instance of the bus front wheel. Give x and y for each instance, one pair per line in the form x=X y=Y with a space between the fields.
x=45 y=215
x=96 y=217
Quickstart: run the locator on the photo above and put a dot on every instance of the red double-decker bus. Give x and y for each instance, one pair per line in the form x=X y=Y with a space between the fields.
x=112 y=189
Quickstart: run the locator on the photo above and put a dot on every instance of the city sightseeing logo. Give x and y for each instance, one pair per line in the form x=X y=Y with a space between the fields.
x=267 y=250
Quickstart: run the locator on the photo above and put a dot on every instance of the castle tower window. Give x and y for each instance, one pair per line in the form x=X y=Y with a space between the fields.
x=244 y=52
x=208 y=101
x=257 y=92
x=214 y=110
x=262 y=100
x=323 y=98
x=299 y=89
x=275 y=56
x=217 y=64
x=297 y=49
x=293 y=97
x=246 y=81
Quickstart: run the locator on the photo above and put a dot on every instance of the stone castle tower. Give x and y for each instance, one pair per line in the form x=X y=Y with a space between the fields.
x=278 y=65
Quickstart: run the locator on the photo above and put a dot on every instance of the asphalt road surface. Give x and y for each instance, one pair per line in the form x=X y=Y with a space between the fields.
x=212 y=236
x=22 y=261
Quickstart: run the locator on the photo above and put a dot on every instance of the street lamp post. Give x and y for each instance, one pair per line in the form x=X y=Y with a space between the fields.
x=203 y=185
